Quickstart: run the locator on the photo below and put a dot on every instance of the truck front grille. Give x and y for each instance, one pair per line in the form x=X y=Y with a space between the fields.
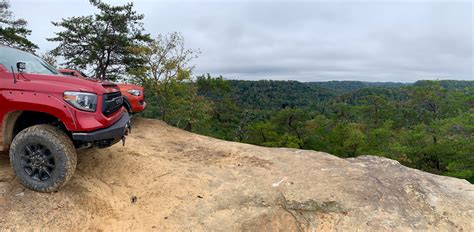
x=111 y=103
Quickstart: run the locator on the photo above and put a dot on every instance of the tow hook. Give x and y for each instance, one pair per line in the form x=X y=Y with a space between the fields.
x=128 y=130
x=129 y=127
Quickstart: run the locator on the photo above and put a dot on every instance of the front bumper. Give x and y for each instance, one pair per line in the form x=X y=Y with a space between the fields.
x=141 y=107
x=138 y=106
x=106 y=137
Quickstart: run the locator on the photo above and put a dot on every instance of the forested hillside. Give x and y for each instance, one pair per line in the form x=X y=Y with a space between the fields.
x=347 y=86
x=428 y=125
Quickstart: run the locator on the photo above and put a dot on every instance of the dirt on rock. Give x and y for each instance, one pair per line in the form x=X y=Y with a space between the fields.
x=169 y=179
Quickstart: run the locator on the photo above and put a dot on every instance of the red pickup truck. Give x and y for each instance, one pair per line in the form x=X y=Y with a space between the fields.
x=46 y=116
x=133 y=95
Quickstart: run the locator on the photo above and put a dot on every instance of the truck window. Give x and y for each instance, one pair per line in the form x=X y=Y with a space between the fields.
x=84 y=75
x=68 y=73
x=9 y=57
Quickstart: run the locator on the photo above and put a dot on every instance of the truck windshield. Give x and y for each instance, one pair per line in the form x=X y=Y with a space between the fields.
x=9 y=57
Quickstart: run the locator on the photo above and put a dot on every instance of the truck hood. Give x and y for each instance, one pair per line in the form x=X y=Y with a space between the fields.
x=69 y=83
x=128 y=86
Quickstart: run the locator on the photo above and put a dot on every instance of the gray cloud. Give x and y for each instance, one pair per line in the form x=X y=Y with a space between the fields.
x=306 y=41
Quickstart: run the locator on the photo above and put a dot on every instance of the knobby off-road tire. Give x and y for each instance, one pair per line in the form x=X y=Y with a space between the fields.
x=43 y=158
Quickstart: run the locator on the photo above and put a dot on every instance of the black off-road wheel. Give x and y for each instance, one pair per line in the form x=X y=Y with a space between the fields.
x=43 y=158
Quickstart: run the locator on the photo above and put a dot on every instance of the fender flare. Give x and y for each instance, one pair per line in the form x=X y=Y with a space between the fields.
x=40 y=103
x=127 y=105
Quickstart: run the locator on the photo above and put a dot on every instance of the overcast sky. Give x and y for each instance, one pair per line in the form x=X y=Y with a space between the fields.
x=401 y=41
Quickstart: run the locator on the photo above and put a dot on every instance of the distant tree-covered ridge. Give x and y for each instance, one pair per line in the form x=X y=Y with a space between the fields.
x=347 y=86
x=277 y=94
x=450 y=84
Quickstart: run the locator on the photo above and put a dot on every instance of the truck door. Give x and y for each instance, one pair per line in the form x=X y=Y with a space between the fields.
x=6 y=84
x=3 y=78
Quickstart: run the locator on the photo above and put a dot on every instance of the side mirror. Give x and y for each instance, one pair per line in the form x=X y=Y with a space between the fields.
x=21 y=66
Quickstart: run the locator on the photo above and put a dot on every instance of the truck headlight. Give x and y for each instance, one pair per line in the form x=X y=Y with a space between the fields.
x=134 y=92
x=82 y=101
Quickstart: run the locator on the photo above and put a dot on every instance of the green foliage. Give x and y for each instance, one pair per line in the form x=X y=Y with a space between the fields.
x=104 y=42
x=274 y=95
x=166 y=75
x=350 y=86
x=227 y=121
x=346 y=140
x=449 y=84
x=13 y=32
x=50 y=58
x=263 y=133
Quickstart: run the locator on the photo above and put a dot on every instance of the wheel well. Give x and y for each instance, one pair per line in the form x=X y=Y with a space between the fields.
x=20 y=120
x=127 y=105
